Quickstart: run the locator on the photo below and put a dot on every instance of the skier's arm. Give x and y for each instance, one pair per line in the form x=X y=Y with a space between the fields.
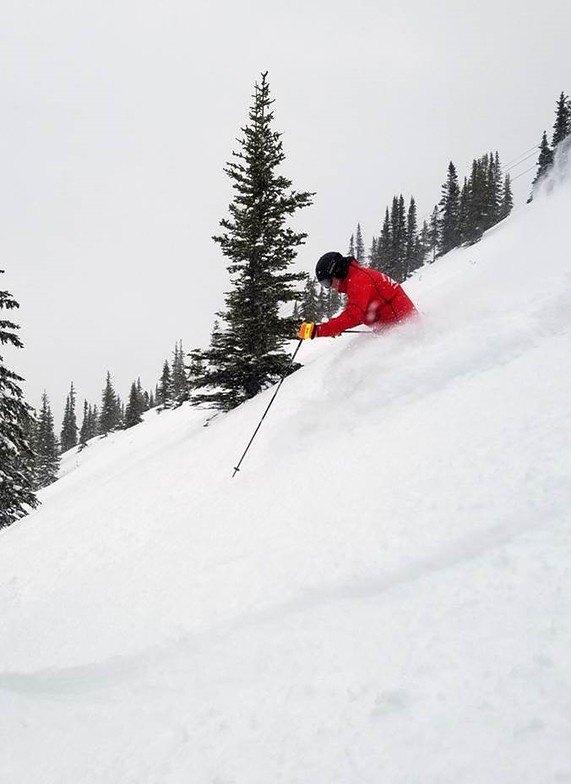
x=354 y=313
x=350 y=317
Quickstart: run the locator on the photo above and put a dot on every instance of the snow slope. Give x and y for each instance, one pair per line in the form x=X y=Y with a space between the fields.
x=382 y=594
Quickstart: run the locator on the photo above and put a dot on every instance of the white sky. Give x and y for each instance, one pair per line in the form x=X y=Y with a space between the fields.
x=118 y=118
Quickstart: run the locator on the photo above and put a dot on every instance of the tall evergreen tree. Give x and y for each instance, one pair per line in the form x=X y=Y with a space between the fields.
x=359 y=253
x=17 y=477
x=46 y=446
x=562 y=125
x=450 y=212
x=110 y=416
x=246 y=353
x=424 y=246
x=310 y=309
x=90 y=424
x=179 y=381
x=434 y=232
x=476 y=217
x=164 y=388
x=397 y=266
x=68 y=435
x=135 y=407
x=351 y=249
x=382 y=260
x=545 y=160
x=507 y=202
x=330 y=303
x=412 y=260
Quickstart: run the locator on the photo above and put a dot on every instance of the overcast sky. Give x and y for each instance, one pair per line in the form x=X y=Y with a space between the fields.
x=119 y=115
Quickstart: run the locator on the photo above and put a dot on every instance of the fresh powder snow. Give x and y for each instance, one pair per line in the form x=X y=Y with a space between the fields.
x=382 y=594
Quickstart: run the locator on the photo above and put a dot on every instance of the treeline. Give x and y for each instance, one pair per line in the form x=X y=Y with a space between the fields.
x=462 y=215
x=561 y=130
x=110 y=415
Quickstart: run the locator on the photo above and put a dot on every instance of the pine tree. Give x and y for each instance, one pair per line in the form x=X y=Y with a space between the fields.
x=351 y=250
x=164 y=388
x=17 y=478
x=210 y=375
x=179 y=382
x=310 y=309
x=434 y=232
x=374 y=253
x=144 y=395
x=464 y=211
x=135 y=407
x=329 y=303
x=89 y=426
x=359 y=253
x=246 y=352
x=68 y=435
x=545 y=160
x=497 y=183
x=562 y=125
x=397 y=267
x=424 y=245
x=382 y=260
x=449 y=234
x=412 y=254
x=46 y=446
x=110 y=416
x=84 y=434
x=507 y=202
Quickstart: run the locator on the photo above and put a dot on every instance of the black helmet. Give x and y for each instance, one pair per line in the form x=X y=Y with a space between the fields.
x=332 y=265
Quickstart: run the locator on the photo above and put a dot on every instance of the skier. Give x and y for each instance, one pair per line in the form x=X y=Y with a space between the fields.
x=373 y=298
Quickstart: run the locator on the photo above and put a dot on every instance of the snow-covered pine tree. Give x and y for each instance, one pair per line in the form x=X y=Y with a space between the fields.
x=144 y=395
x=179 y=381
x=351 y=249
x=135 y=407
x=309 y=306
x=68 y=435
x=544 y=161
x=247 y=353
x=17 y=478
x=507 y=202
x=210 y=374
x=464 y=211
x=496 y=186
x=449 y=221
x=110 y=416
x=562 y=124
x=397 y=268
x=384 y=262
x=359 y=246
x=164 y=388
x=83 y=431
x=89 y=425
x=434 y=232
x=477 y=201
x=411 y=261
x=424 y=246
x=46 y=446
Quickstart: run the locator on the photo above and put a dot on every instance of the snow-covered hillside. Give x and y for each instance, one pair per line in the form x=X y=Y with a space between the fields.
x=380 y=596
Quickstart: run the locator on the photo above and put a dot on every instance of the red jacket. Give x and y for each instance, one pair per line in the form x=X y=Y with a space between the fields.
x=373 y=299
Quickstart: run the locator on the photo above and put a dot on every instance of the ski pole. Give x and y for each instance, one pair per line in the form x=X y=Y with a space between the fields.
x=237 y=468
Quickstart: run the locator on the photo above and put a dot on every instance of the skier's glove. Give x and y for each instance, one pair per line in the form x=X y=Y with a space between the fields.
x=307 y=330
